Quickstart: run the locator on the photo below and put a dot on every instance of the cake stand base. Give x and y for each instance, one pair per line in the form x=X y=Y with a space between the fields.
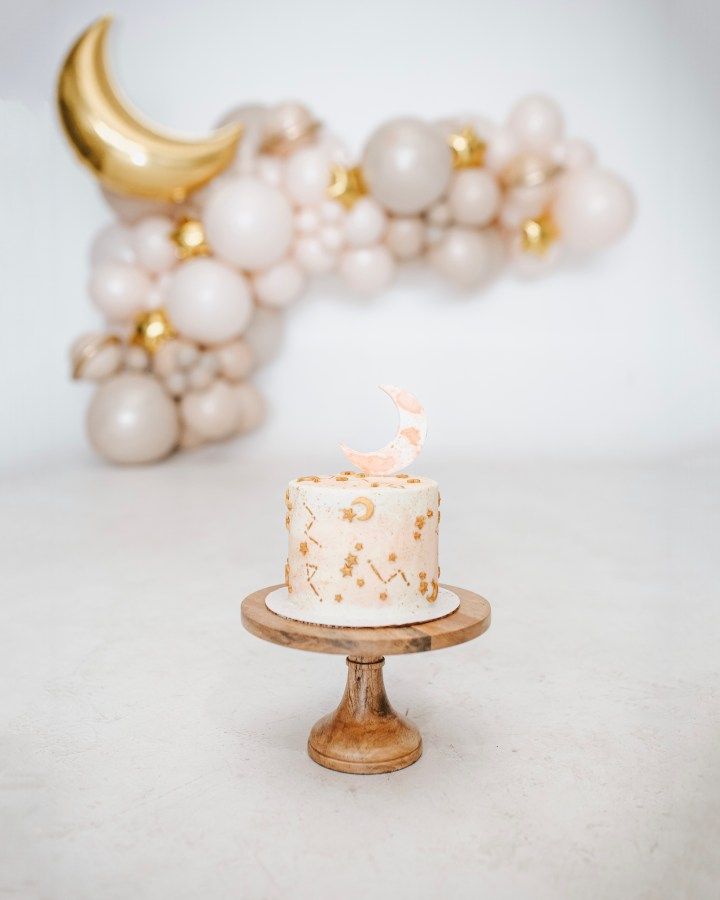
x=364 y=736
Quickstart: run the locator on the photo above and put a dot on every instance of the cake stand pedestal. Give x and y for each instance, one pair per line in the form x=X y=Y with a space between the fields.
x=365 y=735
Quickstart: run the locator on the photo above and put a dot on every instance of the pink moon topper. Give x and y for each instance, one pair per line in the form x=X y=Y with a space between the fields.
x=405 y=447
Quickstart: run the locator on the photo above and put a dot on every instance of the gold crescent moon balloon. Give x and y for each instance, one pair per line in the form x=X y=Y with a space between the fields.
x=128 y=155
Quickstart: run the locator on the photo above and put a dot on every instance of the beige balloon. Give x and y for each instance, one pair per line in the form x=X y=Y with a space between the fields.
x=132 y=420
x=128 y=155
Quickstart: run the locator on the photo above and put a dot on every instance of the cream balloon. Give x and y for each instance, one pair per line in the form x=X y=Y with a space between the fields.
x=405 y=447
x=126 y=154
x=132 y=420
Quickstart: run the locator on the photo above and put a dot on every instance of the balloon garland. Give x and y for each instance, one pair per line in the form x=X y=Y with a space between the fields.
x=214 y=238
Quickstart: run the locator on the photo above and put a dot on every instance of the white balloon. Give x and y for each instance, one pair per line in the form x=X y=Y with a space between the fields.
x=213 y=413
x=466 y=256
x=307 y=175
x=93 y=357
x=208 y=302
x=474 y=197
x=236 y=360
x=248 y=223
x=152 y=244
x=119 y=290
x=113 y=243
x=537 y=123
x=367 y=269
x=407 y=165
x=406 y=237
x=251 y=404
x=280 y=285
x=366 y=223
x=264 y=334
x=131 y=419
x=313 y=256
x=593 y=207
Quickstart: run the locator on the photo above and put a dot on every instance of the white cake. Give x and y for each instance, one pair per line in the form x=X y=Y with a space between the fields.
x=363 y=551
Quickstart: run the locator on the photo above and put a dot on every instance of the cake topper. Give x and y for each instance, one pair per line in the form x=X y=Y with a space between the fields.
x=405 y=447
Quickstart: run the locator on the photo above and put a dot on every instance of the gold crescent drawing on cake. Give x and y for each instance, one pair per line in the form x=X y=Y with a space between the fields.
x=368 y=506
x=405 y=447
x=128 y=155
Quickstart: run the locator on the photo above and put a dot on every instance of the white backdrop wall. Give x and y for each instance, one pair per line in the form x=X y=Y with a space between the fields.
x=616 y=357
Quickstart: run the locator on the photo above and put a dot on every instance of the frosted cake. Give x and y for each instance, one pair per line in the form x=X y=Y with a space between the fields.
x=362 y=551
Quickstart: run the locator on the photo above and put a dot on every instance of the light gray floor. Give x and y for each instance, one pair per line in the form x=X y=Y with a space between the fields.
x=153 y=749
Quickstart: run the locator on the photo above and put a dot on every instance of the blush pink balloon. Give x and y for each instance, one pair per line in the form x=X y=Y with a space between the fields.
x=119 y=290
x=208 y=302
x=152 y=244
x=248 y=223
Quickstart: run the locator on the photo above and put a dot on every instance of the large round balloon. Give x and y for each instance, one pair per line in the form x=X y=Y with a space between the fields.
x=132 y=420
x=208 y=302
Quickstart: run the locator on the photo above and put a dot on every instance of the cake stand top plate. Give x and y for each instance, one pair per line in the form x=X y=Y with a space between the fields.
x=469 y=621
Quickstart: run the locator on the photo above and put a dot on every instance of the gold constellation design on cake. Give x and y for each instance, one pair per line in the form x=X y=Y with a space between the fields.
x=310 y=575
x=308 y=525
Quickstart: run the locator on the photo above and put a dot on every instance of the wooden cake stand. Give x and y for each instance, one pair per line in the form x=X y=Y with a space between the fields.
x=365 y=735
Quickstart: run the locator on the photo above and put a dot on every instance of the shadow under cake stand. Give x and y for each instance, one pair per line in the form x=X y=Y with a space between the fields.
x=365 y=735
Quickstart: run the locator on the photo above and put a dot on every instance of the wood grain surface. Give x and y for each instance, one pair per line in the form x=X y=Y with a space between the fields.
x=470 y=620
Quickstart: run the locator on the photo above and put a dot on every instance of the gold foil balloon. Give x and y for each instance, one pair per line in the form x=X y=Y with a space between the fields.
x=126 y=154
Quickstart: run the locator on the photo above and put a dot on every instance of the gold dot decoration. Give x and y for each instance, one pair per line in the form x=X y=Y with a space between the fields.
x=347 y=185
x=420 y=522
x=468 y=150
x=538 y=235
x=417 y=535
x=304 y=548
x=392 y=557
x=360 y=582
x=152 y=329
x=189 y=239
x=383 y=595
x=338 y=598
x=358 y=546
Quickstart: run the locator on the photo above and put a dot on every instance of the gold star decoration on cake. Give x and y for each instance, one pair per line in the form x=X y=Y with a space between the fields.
x=338 y=598
x=348 y=514
x=346 y=571
x=304 y=548
x=351 y=560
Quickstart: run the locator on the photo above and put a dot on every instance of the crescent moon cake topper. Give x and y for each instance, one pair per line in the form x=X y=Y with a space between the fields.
x=405 y=447
x=128 y=155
